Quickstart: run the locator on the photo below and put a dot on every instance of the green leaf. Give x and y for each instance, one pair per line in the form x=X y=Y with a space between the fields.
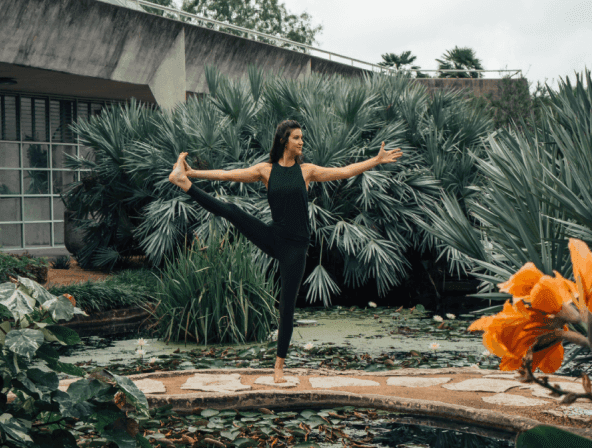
x=104 y=418
x=15 y=428
x=17 y=302
x=85 y=389
x=120 y=437
x=60 y=308
x=134 y=395
x=69 y=407
x=24 y=342
x=143 y=441
x=50 y=337
x=64 y=439
x=49 y=380
x=5 y=328
x=64 y=367
x=46 y=351
x=64 y=334
x=35 y=290
x=549 y=436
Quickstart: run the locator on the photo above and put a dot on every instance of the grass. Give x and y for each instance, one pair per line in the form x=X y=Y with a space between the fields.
x=127 y=288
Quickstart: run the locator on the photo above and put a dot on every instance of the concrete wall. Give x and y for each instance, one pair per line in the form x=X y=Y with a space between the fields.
x=479 y=87
x=50 y=46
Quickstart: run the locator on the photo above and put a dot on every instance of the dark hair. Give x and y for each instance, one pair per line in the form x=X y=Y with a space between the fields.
x=282 y=134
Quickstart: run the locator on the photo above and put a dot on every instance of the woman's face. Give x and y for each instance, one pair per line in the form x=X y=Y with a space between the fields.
x=295 y=142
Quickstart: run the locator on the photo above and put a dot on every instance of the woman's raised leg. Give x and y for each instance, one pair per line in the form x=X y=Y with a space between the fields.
x=252 y=228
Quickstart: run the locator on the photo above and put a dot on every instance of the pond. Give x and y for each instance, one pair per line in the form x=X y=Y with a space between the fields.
x=334 y=338
x=316 y=428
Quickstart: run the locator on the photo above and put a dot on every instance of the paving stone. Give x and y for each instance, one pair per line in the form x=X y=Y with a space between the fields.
x=540 y=391
x=291 y=381
x=410 y=381
x=508 y=376
x=576 y=411
x=149 y=386
x=215 y=383
x=513 y=400
x=323 y=382
x=483 y=385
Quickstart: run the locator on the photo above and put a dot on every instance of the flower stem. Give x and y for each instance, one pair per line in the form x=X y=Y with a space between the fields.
x=577 y=338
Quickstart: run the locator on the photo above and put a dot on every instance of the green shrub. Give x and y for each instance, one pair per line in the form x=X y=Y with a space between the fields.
x=128 y=288
x=24 y=265
x=215 y=293
x=364 y=226
x=62 y=262
x=41 y=415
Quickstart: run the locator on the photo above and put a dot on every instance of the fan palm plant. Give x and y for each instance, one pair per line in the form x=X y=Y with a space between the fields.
x=365 y=224
x=533 y=193
x=459 y=59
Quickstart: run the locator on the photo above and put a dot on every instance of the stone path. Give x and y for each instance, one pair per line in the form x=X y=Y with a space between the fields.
x=457 y=393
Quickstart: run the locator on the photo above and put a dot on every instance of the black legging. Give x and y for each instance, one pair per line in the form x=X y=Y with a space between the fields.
x=290 y=254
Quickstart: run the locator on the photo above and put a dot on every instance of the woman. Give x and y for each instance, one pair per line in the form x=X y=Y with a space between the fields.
x=288 y=237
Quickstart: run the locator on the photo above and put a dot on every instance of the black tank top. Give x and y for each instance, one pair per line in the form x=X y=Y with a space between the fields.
x=288 y=200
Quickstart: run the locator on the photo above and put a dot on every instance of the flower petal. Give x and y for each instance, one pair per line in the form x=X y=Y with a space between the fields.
x=521 y=283
x=549 y=295
x=550 y=359
x=581 y=259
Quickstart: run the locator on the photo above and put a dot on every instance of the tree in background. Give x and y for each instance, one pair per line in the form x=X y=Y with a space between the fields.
x=458 y=59
x=167 y=3
x=399 y=61
x=265 y=16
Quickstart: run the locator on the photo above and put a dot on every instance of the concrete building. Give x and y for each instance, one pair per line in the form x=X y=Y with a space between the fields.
x=63 y=60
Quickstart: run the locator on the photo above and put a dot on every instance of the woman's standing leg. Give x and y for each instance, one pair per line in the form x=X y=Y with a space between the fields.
x=292 y=258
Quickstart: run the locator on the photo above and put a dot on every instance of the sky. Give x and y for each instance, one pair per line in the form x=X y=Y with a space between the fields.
x=546 y=39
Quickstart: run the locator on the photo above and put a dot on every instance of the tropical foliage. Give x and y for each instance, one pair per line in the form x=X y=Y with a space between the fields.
x=216 y=293
x=533 y=194
x=40 y=414
x=365 y=225
x=25 y=265
x=125 y=289
x=516 y=103
x=400 y=61
x=460 y=59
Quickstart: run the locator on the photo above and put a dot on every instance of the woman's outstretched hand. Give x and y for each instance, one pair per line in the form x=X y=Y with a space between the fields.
x=388 y=156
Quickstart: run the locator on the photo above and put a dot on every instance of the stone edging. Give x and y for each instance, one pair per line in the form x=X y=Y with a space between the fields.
x=188 y=403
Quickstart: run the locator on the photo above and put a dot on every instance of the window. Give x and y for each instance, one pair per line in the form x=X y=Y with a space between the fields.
x=35 y=137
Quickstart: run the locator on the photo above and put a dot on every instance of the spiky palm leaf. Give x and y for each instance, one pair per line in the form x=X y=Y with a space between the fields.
x=368 y=221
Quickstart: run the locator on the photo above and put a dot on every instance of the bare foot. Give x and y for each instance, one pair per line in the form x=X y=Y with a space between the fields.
x=178 y=176
x=278 y=376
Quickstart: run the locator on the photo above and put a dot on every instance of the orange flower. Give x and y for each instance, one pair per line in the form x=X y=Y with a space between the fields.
x=581 y=259
x=521 y=283
x=511 y=332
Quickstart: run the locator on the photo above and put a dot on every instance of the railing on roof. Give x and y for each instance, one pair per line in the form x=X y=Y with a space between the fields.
x=179 y=14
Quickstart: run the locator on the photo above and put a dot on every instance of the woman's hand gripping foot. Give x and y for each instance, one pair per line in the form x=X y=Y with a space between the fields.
x=278 y=374
x=179 y=174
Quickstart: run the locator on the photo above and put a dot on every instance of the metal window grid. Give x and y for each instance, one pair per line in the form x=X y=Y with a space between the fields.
x=50 y=143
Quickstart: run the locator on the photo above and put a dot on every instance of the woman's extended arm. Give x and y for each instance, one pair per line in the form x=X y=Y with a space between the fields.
x=207 y=174
x=251 y=174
